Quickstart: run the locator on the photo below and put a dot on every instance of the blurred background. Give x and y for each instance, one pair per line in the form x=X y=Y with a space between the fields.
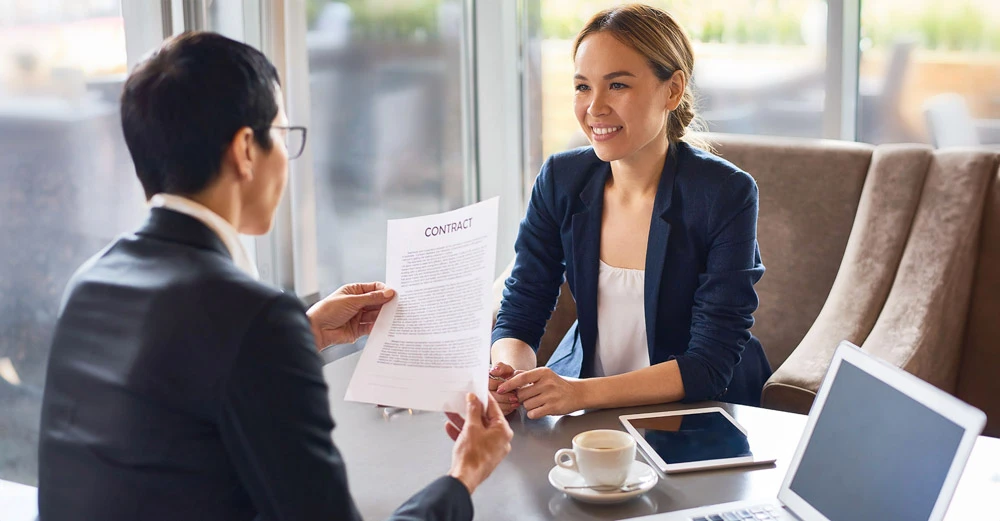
x=761 y=65
x=401 y=100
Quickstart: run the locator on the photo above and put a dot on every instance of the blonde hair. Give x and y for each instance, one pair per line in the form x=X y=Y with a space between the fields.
x=654 y=34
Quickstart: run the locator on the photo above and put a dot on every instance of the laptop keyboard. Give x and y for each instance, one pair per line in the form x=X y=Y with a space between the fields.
x=763 y=512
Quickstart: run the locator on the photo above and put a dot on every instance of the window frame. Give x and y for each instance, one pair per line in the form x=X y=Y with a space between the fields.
x=501 y=144
x=493 y=155
x=843 y=60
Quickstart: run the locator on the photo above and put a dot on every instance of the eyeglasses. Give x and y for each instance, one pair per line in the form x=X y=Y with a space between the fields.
x=295 y=140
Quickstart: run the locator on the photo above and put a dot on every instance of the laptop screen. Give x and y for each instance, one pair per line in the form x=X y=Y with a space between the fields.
x=875 y=454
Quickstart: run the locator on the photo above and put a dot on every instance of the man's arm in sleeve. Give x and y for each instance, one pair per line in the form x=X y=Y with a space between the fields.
x=275 y=422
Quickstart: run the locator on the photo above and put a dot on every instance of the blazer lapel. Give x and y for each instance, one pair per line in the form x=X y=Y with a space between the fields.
x=656 y=248
x=586 y=259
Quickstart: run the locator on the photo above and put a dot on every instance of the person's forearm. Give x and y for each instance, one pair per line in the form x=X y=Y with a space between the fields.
x=514 y=353
x=660 y=383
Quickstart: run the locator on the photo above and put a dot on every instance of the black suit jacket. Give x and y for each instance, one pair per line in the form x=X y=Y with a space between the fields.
x=180 y=388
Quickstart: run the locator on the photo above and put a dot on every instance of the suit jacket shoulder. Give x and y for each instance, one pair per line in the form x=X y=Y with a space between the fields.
x=569 y=171
x=180 y=314
x=566 y=173
x=713 y=190
x=179 y=387
x=697 y=166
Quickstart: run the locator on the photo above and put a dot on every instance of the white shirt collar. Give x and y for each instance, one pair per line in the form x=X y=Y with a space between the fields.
x=226 y=232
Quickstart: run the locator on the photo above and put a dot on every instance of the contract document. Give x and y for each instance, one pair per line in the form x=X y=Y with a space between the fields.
x=431 y=344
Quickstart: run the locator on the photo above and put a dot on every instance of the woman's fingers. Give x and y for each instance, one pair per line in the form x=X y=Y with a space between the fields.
x=524 y=378
x=532 y=390
x=539 y=412
x=508 y=401
x=534 y=403
x=506 y=398
x=500 y=372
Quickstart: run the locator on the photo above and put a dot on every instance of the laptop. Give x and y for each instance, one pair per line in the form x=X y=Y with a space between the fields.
x=880 y=444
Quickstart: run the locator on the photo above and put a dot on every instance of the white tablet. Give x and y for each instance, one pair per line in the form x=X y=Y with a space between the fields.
x=694 y=439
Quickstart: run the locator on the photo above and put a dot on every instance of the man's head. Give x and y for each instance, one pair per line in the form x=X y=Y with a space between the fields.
x=197 y=117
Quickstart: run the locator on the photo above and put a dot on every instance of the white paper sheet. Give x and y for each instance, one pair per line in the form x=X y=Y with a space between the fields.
x=431 y=344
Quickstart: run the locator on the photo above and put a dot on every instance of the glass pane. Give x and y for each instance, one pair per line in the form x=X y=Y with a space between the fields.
x=226 y=17
x=67 y=187
x=385 y=129
x=930 y=72
x=759 y=64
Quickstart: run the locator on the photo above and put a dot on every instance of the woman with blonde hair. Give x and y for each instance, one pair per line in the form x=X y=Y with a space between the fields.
x=656 y=237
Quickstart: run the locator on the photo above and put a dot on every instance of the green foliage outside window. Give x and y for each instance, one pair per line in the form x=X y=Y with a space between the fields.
x=938 y=24
x=941 y=26
x=385 y=20
x=765 y=22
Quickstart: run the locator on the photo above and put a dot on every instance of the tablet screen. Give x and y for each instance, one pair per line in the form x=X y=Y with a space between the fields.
x=693 y=437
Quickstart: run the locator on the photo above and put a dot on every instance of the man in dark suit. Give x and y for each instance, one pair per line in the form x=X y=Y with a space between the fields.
x=179 y=387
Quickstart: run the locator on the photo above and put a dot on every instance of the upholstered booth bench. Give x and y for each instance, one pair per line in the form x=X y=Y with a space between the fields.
x=894 y=247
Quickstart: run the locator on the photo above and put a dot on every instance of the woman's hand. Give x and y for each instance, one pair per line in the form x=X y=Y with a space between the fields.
x=499 y=373
x=348 y=313
x=543 y=392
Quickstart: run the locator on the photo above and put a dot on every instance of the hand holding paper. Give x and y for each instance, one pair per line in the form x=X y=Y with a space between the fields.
x=348 y=313
x=482 y=440
x=430 y=346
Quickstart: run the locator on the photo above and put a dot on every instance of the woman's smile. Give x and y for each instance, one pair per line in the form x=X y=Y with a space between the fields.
x=605 y=133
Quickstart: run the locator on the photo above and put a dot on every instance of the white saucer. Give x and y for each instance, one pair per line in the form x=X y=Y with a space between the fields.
x=640 y=472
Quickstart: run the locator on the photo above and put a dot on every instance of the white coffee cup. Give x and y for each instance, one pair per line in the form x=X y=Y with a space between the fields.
x=602 y=457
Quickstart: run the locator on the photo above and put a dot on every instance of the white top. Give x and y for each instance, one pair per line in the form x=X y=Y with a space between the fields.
x=621 y=321
x=230 y=237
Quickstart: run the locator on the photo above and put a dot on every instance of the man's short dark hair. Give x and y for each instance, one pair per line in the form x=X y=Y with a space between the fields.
x=182 y=106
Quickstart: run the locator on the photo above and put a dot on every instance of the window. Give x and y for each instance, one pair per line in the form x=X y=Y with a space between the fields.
x=67 y=187
x=385 y=129
x=759 y=64
x=930 y=72
x=226 y=17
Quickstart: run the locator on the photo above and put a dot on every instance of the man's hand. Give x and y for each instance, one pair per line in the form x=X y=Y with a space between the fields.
x=348 y=313
x=543 y=392
x=482 y=440
x=500 y=373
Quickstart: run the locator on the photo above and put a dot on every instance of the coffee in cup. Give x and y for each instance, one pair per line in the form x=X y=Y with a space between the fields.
x=602 y=457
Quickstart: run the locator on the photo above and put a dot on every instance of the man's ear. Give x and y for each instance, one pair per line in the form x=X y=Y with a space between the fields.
x=242 y=153
x=675 y=86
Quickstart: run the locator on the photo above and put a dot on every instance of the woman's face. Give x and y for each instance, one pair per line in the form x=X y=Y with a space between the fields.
x=621 y=105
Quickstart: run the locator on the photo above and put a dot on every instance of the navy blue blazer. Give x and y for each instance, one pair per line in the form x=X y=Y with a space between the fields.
x=702 y=261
